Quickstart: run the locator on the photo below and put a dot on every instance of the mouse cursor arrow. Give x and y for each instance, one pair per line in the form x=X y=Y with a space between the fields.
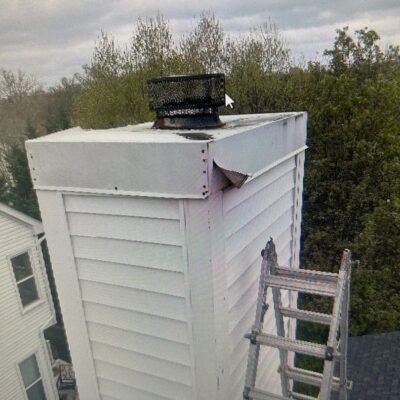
x=228 y=101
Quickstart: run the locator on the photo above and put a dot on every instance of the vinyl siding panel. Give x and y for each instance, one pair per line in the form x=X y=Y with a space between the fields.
x=118 y=391
x=151 y=346
x=139 y=322
x=148 y=230
x=261 y=209
x=154 y=256
x=143 y=382
x=150 y=365
x=129 y=261
x=128 y=206
x=131 y=276
x=142 y=301
x=20 y=332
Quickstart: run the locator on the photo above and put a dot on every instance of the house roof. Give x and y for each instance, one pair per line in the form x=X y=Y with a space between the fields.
x=21 y=217
x=374 y=366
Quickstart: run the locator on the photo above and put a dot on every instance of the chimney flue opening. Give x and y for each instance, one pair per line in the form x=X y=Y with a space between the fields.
x=187 y=101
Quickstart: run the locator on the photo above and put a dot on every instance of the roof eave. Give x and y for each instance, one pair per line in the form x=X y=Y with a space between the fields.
x=21 y=217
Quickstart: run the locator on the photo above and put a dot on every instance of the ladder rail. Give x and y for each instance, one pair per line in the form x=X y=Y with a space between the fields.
x=344 y=328
x=326 y=385
x=254 y=351
x=280 y=327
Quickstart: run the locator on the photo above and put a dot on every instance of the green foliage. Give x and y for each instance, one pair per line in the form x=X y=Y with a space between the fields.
x=205 y=48
x=375 y=304
x=20 y=194
x=59 y=105
x=3 y=190
x=375 y=283
x=259 y=63
x=152 y=48
x=378 y=243
x=351 y=181
x=114 y=87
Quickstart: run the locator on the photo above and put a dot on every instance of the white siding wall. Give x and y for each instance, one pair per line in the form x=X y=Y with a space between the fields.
x=261 y=209
x=131 y=270
x=20 y=334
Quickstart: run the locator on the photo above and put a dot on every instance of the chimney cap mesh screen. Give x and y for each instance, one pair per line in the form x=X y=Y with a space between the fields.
x=187 y=95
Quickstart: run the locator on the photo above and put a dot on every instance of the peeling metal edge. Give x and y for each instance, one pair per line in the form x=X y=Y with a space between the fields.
x=237 y=178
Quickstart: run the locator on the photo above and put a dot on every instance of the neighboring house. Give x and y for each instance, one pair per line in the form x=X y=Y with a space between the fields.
x=26 y=309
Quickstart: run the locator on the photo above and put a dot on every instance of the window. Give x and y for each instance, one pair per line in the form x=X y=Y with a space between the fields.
x=25 y=280
x=31 y=379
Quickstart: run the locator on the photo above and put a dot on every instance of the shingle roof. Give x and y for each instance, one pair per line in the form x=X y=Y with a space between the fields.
x=374 y=366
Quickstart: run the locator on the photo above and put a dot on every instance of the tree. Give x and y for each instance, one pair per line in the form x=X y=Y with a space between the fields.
x=152 y=48
x=113 y=92
x=3 y=190
x=258 y=63
x=114 y=89
x=16 y=85
x=351 y=181
x=59 y=101
x=19 y=193
x=22 y=103
x=204 y=49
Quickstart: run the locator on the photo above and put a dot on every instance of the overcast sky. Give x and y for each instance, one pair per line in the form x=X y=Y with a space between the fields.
x=54 y=38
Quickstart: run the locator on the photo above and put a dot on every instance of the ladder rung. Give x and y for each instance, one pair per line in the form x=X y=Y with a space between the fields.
x=300 y=396
x=309 y=274
x=319 y=318
x=258 y=394
x=309 y=377
x=299 y=285
x=298 y=346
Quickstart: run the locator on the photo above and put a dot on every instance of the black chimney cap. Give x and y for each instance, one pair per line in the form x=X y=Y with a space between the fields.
x=187 y=101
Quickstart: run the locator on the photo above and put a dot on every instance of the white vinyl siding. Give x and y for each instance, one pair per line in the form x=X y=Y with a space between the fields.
x=20 y=332
x=157 y=260
x=130 y=267
x=261 y=209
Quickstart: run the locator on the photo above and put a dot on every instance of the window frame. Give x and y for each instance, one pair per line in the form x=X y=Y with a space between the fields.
x=21 y=379
x=39 y=300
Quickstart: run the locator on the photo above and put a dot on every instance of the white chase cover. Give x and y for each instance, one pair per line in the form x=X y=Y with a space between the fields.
x=141 y=161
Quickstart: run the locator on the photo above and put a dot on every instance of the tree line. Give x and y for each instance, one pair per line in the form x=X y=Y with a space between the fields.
x=351 y=187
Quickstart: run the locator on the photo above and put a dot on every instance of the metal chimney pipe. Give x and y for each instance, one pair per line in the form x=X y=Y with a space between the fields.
x=187 y=101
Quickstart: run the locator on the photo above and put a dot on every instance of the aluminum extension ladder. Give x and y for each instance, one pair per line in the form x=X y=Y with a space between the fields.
x=313 y=282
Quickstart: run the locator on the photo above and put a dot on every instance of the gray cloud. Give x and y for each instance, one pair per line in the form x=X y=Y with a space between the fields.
x=53 y=38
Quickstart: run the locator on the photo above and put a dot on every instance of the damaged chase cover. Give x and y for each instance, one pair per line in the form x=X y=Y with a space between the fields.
x=138 y=160
x=236 y=178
